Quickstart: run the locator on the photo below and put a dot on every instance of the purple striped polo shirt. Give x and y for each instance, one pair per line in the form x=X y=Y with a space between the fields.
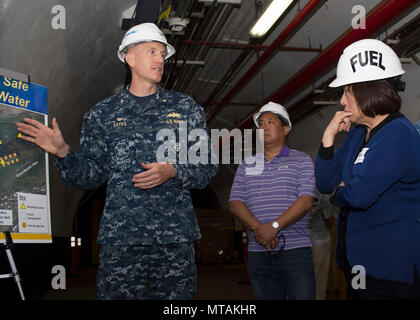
x=267 y=195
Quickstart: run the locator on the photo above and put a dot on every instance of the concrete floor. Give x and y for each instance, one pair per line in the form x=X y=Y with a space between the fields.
x=215 y=282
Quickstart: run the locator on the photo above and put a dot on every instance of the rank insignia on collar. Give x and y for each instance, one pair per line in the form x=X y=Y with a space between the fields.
x=173 y=115
x=120 y=123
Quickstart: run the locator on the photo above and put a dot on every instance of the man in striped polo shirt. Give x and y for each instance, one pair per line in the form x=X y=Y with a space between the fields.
x=272 y=206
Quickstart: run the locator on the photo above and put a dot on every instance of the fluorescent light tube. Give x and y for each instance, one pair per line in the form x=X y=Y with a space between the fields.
x=269 y=17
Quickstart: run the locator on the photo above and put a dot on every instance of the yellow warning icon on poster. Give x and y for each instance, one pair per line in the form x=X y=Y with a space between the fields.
x=23 y=206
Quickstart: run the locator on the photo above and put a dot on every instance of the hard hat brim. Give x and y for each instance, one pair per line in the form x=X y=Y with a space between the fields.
x=259 y=114
x=170 y=50
x=339 y=82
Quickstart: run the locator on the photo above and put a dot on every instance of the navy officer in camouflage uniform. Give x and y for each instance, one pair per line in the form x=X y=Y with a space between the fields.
x=148 y=227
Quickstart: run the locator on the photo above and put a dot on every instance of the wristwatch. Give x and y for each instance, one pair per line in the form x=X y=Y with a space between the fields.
x=276 y=226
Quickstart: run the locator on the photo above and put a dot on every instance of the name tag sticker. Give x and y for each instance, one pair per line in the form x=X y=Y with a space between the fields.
x=361 y=156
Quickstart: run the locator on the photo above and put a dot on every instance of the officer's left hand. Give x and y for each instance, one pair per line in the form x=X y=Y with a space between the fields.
x=156 y=174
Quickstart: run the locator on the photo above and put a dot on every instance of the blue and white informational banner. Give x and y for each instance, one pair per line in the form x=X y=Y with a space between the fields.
x=28 y=96
x=24 y=187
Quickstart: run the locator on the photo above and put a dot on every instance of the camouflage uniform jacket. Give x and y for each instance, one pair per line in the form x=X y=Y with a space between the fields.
x=117 y=135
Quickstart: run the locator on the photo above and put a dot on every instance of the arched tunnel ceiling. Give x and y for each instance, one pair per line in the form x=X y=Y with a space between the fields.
x=79 y=64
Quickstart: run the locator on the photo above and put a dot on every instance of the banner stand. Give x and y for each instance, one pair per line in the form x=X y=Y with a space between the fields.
x=25 y=201
x=15 y=274
x=7 y=245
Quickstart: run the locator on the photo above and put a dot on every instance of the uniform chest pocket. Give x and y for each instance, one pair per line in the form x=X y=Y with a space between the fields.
x=121 y=148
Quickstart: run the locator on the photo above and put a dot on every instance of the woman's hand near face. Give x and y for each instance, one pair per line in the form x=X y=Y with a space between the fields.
x=340 y=122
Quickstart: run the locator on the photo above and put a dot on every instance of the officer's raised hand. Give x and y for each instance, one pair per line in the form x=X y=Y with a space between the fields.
x=156 y=174
x=50 y=140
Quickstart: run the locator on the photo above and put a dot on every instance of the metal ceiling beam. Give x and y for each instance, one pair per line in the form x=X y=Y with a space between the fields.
x=384 y=13
x=407 y=37
x=268 y=54
x=216 y=17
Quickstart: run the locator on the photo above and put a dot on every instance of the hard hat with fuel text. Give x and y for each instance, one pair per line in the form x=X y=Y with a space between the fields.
x=367 y=60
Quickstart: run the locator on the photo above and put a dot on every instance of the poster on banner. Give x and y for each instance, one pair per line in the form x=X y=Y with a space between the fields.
x=24 y=186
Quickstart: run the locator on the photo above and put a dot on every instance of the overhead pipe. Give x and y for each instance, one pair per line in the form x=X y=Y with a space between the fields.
x=208 y=54
x=268 y=54
x=193 y=29
x=220 y=19
x=242 y=59
x=182 y=14
x=306 y=105
x=229 y=45
x=380 y=16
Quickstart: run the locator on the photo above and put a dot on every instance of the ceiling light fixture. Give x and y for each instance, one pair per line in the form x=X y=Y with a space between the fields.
x=269 y=17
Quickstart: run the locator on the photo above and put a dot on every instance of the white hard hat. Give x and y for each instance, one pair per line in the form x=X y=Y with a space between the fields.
x=145 y=32
x=275 y=108
x=367 y=60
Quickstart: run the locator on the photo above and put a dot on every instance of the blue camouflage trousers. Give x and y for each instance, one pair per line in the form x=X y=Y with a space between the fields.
x=158 y=272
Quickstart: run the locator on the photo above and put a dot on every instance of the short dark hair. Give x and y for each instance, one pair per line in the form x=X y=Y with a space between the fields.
x=376 y=97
